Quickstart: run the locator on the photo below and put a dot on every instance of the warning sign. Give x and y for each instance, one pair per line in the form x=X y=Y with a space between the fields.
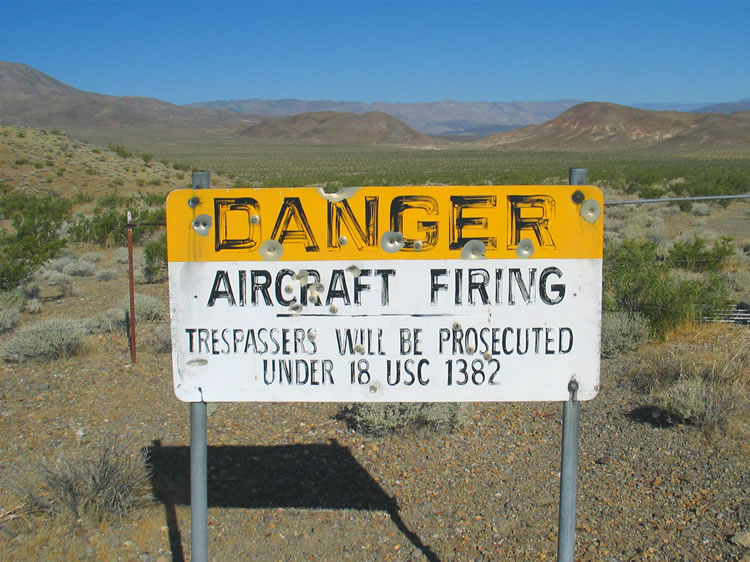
x=429 y=293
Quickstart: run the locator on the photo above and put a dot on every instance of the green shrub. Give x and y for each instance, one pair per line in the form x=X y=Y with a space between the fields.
x=120 y=150
x=48 y=339
x=33 y=237
x=651 y=192
x=637 y=281
x=107 y=226
x=694 y=255
x=378 y=419
x=155 y=256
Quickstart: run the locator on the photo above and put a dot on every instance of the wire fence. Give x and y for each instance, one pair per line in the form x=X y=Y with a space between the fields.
x=736 y=313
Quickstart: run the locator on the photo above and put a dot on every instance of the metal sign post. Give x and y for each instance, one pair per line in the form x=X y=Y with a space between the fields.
x=566 y=527
x=199 y=453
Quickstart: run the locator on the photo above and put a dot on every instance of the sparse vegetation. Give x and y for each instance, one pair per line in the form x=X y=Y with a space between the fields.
x=378 y=419
x=700 y=377
x=708 y=392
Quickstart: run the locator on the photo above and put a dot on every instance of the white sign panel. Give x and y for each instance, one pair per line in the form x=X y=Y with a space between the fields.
x=250 y=325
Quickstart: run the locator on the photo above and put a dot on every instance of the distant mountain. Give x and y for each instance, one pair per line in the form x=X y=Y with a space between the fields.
x=670 y=106
x=30 y=97
x=604 y=126
x=726 y=108
x=335 y=127
x=446 y=117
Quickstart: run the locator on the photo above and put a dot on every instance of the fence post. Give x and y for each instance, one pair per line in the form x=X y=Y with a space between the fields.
x=131 y=277
x=199 y=451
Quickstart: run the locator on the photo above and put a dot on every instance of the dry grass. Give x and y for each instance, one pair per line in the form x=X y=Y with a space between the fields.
x=85 y=485
x=701 y=375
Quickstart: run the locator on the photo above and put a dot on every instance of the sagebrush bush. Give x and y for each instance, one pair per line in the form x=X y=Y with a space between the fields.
x=93 y=257
x=79 y=268
x=378 y=419
x=161 y=341
x=622 y=331
x=701 y=209
x=9 y=318
x=106 y=275
x=33 y=306
x=146 y=307
x=62 y=281
x=109 y=320
x=48 y=339
x=59 y=263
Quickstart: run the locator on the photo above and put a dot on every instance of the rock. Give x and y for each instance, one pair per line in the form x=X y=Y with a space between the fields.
x=742 y=539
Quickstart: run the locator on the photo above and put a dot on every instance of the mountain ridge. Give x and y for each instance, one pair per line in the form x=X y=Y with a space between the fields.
x=444 y=117
x=605 y=126
x=29 y=97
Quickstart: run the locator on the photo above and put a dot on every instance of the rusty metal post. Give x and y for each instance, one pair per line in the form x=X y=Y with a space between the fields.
x=131 y=277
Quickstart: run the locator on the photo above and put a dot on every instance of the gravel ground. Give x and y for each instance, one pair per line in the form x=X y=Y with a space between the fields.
x=291 y=482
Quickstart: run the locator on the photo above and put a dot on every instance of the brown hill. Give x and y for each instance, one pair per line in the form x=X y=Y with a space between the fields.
x=605 y=126
x=334 y=127
x=32 y=98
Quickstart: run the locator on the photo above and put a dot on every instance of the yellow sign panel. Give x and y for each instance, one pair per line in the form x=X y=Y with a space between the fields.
x=379 y=223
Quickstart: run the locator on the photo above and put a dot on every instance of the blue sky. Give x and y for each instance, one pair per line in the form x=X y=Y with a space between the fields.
x=395 y=51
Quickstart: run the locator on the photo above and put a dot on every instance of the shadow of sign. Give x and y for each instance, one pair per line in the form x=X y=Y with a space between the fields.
x=313 y=476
